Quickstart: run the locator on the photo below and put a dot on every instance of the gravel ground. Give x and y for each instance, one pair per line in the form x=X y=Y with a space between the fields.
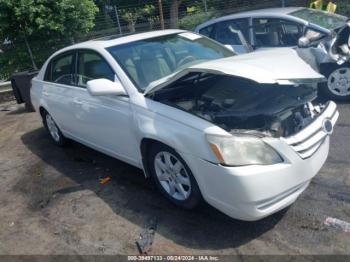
x=51 y=202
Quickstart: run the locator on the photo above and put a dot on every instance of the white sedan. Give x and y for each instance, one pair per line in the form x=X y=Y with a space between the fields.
x=241 y=132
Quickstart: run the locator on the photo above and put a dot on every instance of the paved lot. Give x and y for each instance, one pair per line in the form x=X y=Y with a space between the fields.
x=51 y=202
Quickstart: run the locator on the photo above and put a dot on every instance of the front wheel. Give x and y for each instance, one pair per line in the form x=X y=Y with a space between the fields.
x=173 y=177
x=338 y=83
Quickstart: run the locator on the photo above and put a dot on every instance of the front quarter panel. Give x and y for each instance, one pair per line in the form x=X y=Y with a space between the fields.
x=178 y=129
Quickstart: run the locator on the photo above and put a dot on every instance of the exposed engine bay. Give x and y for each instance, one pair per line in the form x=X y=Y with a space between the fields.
x=241 y=105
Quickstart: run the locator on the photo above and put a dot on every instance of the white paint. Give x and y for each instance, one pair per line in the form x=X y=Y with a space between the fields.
x=116 y=125
x=191 y=36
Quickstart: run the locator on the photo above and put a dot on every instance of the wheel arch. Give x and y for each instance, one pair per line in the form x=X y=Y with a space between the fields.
x=327 y=67
x=42 y=111
x=145 y=145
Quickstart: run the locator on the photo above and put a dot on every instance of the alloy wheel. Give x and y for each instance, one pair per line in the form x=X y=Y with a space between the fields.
x=53 y=129
x=172 y=175
x=339 y=82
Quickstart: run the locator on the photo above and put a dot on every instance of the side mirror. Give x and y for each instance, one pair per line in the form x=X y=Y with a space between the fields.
x=101 y=87
x=303 y=42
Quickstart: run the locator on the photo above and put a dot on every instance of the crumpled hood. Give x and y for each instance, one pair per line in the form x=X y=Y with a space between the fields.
x=279 y=65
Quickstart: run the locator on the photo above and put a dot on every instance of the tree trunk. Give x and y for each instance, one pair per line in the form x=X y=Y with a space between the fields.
x=132 y=26
x=30 y=51
x=161 y=15
x=174 y=13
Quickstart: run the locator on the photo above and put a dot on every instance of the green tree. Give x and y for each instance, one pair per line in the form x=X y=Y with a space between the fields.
x=26 y=19
x=148 y=11
x=343 y=8
x=131 y=16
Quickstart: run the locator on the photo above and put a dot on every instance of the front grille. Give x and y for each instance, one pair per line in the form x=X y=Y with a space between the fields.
x=307 y=141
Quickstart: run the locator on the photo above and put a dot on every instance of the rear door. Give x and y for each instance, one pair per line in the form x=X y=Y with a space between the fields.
x=57 y=92
x=234 y=33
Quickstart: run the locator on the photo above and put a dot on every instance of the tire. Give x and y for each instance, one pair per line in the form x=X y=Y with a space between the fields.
x=337 y=86
x=175 y=181
x=53 y=130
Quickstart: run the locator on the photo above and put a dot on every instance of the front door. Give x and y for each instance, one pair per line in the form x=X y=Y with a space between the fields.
x=275 y=32
x=104 y=122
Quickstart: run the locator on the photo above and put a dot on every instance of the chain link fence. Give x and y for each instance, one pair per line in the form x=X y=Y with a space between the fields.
x=120 y=20
x=129 y=19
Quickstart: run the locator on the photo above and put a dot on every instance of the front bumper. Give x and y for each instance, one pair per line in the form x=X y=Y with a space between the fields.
x=253 y=192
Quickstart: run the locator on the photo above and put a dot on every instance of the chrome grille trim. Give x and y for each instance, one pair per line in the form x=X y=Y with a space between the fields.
x=307 y=141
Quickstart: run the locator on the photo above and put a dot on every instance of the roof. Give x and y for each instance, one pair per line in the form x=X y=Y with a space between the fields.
x=280 y=12
x=270 y=11
x=105 y=42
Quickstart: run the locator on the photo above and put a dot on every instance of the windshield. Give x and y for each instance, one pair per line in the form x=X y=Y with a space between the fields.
x=324 y=19
x=151 y=59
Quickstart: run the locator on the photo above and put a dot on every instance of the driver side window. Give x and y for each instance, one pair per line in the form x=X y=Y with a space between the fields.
x=273 y=32
x=92 y=66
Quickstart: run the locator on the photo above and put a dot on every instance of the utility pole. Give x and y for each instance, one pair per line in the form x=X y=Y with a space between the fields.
x=205 y=6
x=161 y=16
x=117 y=16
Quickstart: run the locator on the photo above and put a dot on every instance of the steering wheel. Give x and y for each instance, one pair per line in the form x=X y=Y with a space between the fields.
x=186 y=60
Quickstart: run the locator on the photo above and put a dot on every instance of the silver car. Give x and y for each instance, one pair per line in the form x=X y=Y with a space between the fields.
x=288 y=27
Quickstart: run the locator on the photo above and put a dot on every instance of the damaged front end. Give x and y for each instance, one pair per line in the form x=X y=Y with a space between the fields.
x=240 y=105
x=339 y=48
x=335 y=48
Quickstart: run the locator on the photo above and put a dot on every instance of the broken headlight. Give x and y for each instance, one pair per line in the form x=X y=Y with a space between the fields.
x=242 y=150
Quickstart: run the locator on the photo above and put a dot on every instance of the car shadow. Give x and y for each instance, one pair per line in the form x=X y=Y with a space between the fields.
x=133 y=197
x=18 y=111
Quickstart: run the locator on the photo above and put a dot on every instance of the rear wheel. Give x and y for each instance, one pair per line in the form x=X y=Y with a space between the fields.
x=173 y=177
x=53 y=130
x=338 y=83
